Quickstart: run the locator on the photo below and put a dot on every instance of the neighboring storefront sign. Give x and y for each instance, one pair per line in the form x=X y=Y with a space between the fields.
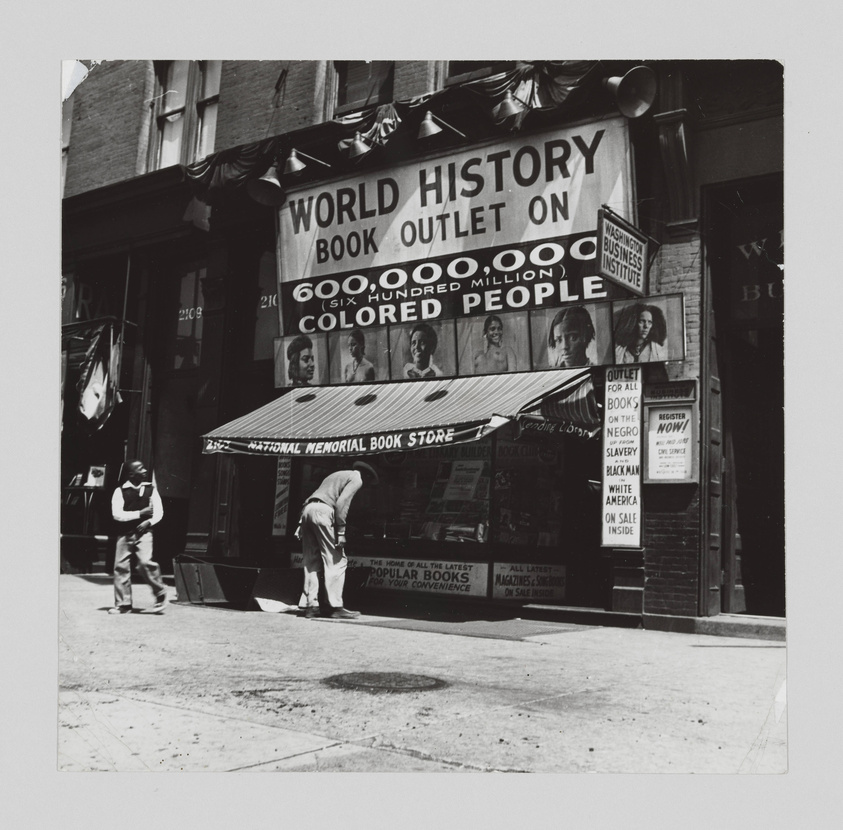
x=282 y=496
x=528 y=582
x=412 y=242
x=622 y=252
x=621 y=499
x=537 y=428
x=426 y=576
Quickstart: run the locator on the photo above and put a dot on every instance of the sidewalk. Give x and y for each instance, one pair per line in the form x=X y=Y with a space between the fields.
x=201 y=688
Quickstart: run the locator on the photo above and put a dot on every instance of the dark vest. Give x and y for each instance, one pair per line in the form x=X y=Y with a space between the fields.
x=134 y=499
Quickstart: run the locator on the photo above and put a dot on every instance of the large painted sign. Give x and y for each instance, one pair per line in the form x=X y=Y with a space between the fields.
x=621 y=505
x=500 y=227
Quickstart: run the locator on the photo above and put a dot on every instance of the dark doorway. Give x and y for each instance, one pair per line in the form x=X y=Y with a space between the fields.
x=746 y=248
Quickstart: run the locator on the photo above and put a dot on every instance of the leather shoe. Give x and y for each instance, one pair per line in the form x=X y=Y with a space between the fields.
x=343 y=614
x=311 y=611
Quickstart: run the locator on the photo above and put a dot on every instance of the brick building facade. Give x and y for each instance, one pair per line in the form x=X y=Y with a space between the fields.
x=146 y=241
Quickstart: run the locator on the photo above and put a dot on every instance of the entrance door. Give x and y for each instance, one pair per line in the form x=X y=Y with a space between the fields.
x=746 y=337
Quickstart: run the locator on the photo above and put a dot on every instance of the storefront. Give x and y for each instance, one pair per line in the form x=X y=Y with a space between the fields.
x=504 y=386
x=460 y=233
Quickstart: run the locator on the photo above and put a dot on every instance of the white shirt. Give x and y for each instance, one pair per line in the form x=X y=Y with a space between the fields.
x=122 y=515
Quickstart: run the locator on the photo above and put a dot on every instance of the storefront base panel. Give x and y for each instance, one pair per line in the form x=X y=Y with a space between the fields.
x=629 y=600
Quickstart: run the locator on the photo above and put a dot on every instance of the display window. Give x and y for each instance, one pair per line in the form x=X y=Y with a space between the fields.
x=266 y=312
x=187 y=349
x=438 y=494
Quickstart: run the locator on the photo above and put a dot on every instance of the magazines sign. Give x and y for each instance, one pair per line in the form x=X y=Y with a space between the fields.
x=504 y=226
x=622 y=252
x=528 y=582
x=621 y=505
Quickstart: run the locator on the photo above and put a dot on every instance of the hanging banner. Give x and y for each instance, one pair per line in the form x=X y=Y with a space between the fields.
x=505 y=226
x=621 y=505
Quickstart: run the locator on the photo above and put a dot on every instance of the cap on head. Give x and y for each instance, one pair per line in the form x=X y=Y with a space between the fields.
x=135 y=469
x=362 y=467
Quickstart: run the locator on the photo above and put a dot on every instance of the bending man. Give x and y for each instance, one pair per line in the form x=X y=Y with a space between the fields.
x=322 y=532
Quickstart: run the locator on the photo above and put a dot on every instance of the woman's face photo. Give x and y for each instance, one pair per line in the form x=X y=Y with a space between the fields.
x=570 y=343
x=420 y=348
x=355 y=349
x=494 y=332
x=645 y=323
x=306 y=366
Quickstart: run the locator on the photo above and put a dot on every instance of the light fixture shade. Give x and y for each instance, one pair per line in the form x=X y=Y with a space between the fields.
x=267 y=189
x=358 y=147
x=635 y=92
x=294 y=164
x=428 y=126
x=508 y=107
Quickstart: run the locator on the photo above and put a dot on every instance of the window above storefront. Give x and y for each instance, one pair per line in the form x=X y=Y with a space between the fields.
x=361 y=84
x=462 y=71
x=184 y=112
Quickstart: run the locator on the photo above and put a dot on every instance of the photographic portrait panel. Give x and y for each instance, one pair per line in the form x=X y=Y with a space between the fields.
x=648 y=329
x=424 y=349
x=301 y=360
x=493 y=344
x=359 y=355
x=571 y=336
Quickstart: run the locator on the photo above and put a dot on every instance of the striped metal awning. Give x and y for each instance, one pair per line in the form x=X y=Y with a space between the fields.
x=395 y=416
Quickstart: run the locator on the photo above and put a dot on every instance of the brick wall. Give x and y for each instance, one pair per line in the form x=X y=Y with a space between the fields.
x=413 y=78
x=672 y=545
x=671 y=532
x=250 y=109
x=678 y=270
x=110 y=128
x=111 y=113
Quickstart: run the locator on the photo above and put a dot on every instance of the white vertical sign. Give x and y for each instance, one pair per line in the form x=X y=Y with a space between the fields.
x=282 y=496
x=621 y=505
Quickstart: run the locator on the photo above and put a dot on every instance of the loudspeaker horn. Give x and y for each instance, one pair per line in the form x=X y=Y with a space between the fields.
x=267 y=189
x=634 y=92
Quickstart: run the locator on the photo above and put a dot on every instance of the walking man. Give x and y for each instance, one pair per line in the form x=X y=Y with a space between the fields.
x=322 y=532
x=137 y=506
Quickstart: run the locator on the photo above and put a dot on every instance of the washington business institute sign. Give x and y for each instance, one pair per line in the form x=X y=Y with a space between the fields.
x=505 y=226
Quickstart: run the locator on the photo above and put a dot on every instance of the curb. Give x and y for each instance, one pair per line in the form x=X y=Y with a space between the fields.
x=723 y=625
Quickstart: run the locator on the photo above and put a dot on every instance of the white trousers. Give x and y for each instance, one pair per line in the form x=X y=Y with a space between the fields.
x=147 y=568
x=321 y=555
